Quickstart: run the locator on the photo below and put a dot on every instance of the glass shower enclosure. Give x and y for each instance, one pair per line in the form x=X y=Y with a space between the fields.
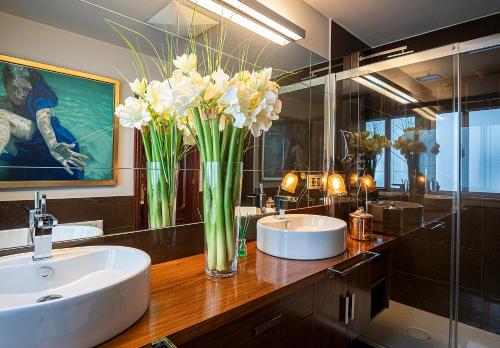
x=426 y=127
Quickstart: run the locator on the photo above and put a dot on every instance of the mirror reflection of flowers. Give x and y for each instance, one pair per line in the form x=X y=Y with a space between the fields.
x=369 y=146
x=413 y=142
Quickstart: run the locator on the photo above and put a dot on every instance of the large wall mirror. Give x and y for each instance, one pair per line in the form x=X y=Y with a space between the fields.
x=72 y=58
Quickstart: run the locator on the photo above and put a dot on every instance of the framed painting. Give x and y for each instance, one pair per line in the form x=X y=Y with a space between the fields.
x=57 y=126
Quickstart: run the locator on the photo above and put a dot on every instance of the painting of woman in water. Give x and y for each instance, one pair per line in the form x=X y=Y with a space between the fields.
x=56 y=128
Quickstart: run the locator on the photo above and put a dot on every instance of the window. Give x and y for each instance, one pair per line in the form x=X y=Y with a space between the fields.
x=446 y=160
x=483 y=151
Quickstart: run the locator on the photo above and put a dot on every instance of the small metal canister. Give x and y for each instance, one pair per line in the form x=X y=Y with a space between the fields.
x=360 y=225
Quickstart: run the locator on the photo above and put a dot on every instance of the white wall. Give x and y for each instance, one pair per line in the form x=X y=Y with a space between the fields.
x=314 y=23
x=30 y=40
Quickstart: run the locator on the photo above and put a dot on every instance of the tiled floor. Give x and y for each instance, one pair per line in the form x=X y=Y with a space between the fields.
x=392 y=329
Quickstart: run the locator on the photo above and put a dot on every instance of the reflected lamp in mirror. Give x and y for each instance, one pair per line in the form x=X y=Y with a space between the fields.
x=353 y=179
x=368 y=183
x=421 y=180
x=336 y=185
x=289 y=182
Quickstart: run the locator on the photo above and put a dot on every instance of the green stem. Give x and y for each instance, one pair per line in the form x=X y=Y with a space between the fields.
x=218 y=198
x=228 y=204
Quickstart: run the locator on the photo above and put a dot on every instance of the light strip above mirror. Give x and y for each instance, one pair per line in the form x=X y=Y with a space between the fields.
x=257 y=22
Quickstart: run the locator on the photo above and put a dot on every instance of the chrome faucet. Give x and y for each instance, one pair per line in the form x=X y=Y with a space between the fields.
x=40 y=228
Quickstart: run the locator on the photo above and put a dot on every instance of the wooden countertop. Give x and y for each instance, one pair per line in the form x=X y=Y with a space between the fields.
x=185 y=303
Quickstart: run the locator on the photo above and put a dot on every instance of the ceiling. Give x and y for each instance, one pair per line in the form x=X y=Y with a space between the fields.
x=88 y=18
x=377 y=22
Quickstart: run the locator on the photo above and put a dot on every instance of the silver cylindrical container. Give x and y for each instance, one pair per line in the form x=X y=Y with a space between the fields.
x=360 y=225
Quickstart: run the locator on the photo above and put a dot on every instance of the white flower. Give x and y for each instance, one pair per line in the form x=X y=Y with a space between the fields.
x=138 y=87
x=159 y=95
x=133 y=114
x=187 y=90
x=186 y=63
x=186 y=125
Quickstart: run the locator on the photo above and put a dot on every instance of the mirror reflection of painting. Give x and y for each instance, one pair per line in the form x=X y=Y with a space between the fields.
x=54 y=126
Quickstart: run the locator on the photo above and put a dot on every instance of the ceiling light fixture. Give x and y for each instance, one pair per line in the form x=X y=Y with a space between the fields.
x=256 y=19
x=389 y=91
x=254 y=12
x=377 y=88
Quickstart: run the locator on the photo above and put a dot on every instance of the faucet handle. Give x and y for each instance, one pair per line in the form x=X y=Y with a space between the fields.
x=46 y=220
x=37 y=200
x=43 y=204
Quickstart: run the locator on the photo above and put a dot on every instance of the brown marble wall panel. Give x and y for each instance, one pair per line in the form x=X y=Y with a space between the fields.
x=491 y=225
x=419 y=292
x=116 y=212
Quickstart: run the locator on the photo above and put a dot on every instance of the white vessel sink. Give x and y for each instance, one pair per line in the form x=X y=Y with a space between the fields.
x=19 y=236
x=301 y=236
x=78 y=298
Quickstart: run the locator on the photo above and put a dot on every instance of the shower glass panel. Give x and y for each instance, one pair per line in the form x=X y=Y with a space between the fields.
x=398 y=122
x=479 y=248
x=426 y=127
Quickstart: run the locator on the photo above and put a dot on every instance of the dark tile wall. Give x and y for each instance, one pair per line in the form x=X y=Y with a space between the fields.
x=116 y=212
x=421 y=265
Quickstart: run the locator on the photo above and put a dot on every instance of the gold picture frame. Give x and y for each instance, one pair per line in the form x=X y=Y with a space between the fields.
x=108 y=83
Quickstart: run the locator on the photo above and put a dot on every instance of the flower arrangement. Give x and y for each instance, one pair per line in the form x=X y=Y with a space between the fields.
x=368 y=144
x=201 y=104
x=411 y=143
x=219 y=112
x=164 y=145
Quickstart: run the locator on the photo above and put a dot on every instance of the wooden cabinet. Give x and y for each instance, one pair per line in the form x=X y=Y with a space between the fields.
x=283 y=323
x=331 y=312
x=352 y=293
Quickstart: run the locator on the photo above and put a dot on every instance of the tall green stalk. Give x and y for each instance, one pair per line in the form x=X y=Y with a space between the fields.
x=221 y=178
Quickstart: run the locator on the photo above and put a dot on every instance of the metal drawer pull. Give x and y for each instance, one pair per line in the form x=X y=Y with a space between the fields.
x=367 y=257
x=267 y=325
x=346 y=311
x=435 y=225
x=353 y=300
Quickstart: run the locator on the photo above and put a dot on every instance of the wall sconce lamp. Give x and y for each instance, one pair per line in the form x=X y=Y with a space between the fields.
x=368 y=183
x=255 y=17
x=336 y=185
x=289 y=182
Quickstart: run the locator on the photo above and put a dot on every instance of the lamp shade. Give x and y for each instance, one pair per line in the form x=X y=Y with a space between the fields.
x=336 y=185
x=289 y=182
x=368 y=183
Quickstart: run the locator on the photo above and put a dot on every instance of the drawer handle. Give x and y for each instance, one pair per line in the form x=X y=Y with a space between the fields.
x=267 y=325
x=353 y=305
x=367 y=257
x=346 y=310
x=435 y=225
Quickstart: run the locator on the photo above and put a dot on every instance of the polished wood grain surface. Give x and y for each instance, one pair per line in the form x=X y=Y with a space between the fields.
x=185 y=303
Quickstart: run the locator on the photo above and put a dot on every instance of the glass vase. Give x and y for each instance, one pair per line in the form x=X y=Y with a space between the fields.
x=161 y=194
x=221 y=195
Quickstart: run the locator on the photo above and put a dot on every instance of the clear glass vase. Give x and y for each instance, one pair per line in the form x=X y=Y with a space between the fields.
x=162 y=194
x=221 y=195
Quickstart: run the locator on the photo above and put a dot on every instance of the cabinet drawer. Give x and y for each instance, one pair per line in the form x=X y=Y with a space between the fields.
x=261 y=325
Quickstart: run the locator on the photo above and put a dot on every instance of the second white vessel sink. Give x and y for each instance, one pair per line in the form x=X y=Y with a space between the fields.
x=80 y=297
x=19 y=236
x=301 y=236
